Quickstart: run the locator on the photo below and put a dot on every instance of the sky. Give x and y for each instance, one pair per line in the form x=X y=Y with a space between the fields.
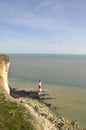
x=43 y=26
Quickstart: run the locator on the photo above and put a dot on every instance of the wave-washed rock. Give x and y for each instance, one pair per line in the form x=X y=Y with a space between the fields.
x=45 y=119
x=42 y=117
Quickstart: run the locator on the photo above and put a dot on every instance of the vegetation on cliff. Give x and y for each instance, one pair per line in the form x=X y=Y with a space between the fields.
x=24 y=111
x=4 y=57
x=13 y=116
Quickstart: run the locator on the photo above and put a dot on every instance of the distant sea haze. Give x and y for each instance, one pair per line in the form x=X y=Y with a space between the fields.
x=63 y=75
x=66 y=70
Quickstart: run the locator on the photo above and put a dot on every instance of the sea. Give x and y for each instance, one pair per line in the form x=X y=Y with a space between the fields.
x=63 y=77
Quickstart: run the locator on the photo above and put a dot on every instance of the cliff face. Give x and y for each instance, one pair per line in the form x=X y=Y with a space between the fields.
x=4 y=67
x=42 y=117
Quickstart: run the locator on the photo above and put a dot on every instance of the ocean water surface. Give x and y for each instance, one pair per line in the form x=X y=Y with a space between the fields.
x=64 y=76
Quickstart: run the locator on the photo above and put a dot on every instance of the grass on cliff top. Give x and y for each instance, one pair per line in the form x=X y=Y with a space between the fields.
x=4 y=57
x=13 y=116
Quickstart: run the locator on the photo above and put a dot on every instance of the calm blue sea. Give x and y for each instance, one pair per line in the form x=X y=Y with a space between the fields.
x=66 y=71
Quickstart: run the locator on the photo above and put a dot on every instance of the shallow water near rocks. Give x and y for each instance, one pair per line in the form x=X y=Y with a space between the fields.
x=64 y=77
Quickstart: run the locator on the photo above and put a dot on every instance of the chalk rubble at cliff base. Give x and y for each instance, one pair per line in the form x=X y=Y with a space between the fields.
x=45 y=118
x=42 y=116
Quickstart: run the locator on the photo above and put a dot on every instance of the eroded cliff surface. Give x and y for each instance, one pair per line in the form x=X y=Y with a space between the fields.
x=4 y=68
x=44 y=119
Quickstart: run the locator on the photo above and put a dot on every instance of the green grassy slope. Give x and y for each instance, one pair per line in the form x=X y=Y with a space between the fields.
x=13 y=116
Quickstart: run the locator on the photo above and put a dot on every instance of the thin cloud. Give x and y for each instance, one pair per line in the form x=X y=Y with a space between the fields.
x=4 y=31
x=56 y=23
x=31 y=18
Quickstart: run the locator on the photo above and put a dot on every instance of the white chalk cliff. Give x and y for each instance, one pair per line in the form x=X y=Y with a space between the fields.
x=42 y=117
x=4 y=68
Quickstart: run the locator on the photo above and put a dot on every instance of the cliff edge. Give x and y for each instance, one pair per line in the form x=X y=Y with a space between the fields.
x=4 y=68
x=42 y=117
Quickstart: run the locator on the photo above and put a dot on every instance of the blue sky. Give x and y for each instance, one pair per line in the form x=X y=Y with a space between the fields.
x=43 y=26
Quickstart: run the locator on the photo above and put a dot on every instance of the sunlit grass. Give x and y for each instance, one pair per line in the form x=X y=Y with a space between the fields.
x=13 y=116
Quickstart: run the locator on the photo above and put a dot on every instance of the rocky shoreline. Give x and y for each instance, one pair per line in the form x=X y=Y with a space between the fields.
x=43 y=117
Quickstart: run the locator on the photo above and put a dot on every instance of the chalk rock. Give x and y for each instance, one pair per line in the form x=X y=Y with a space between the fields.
x=4 y=68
